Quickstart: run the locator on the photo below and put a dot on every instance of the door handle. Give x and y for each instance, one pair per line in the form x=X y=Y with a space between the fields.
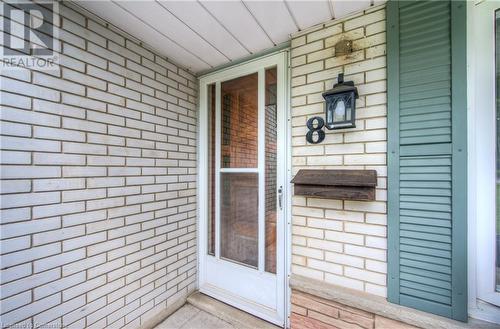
x=280 y=197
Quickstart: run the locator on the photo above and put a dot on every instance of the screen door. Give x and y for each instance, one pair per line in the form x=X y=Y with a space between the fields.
x=241 y=195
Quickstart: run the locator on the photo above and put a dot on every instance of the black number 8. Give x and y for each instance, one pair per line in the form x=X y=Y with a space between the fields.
x=320 y=123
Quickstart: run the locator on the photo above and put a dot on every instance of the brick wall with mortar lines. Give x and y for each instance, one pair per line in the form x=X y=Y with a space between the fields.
x=309 y=311
x=341 y=242
x=98 y=181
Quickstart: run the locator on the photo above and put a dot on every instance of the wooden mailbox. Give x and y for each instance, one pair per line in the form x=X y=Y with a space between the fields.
x=341 y=184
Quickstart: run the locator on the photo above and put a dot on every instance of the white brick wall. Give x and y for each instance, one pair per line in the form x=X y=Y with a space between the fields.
x=341 y=242
x=98 y=183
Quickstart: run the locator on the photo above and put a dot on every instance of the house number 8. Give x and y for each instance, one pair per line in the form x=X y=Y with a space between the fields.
x=320 y=123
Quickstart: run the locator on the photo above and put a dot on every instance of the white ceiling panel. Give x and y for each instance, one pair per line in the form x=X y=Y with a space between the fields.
x=236 y=18
x=201 y=21
x=124 y=20
x=274 y=18
x=343 y=8
x=162 y=20
x=309 y=13
x=203 y=34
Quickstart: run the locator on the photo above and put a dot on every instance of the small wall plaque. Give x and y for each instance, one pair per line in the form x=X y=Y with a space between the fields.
x=342 y=184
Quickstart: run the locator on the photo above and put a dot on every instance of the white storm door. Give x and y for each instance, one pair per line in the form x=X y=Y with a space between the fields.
x=242 y=163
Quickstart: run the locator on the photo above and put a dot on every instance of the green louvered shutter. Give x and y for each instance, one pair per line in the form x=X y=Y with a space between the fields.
x=427 y=156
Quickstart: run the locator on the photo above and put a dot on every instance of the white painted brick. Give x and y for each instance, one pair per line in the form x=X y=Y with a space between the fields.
x=379 y=207
x=84 y=102
x=323 y=203
x=364 y=275
x=29 y=199
x=325 y=224
x=307 y=252
x=23 y=279
x=371 y=253
x=28 y=89
x=16 y=301
x=376 y=242
x=58 y=285
x=105 y=75
x=102 y=139
x=59 y=84
x=84 y=56
x=14 y=215
x=106 y=32
x=84 y=79
x=10 y=99
x=376 y=266
x=79 y=195
x=105 y=246
x=380 y=219
x=344 y=237
x=58 y=260
x=28 y=227
x=307 y=48
x=28 y=144
x=57 y=184
x=59 y=310
x=84 y=125
x=84 y=171
x=58 y=159
x=14 y=157
x=83 y=241
x=58 y=235
x=365 y=20
x=324 y=266
x=15 y=186
x=58 y=134
x=57 y=209
x=27 y=255
x=366 y=136
x=103 y=312
x=324 y=245
x=367 y=229
x=31 y=309
x=344 y=281
x=105 y=139
x=83 y=264
x=345 y=215
x=15 y=129
x=83 y=311
x=308 y=232
x=83 y=287
x=15 y=244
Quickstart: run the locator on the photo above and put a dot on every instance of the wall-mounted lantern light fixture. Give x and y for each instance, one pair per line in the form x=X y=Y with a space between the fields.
x=340 y=109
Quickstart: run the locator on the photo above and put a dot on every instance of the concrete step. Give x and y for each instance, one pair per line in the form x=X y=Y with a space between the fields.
x=234 y=316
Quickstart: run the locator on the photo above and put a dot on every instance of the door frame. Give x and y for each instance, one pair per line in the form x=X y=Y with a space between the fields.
x=281 y=59
x=483 y=301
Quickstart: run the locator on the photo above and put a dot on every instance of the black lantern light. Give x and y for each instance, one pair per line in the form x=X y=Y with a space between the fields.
x=340 y=109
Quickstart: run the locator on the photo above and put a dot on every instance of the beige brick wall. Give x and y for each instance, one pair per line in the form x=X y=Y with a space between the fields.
x=98 y=183
x=309 y=311
x=341 y=242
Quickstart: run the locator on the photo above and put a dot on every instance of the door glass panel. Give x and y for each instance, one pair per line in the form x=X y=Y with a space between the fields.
x=271 y=188
x=497 y=78
x=211 y=168
x=239 y=122
x=239 y=213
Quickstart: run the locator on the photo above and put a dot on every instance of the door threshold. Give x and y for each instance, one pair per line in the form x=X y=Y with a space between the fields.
x=223 y=311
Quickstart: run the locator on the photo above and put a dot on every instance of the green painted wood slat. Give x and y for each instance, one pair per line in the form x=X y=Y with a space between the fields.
x=426 y=69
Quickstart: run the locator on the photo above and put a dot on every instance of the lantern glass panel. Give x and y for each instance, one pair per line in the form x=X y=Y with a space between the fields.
x=339 y=113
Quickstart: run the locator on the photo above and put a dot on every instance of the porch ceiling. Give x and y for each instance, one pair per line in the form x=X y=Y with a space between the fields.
x=201 y=35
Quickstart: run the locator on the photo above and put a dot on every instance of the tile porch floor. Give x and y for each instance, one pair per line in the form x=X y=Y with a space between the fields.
x=190 y=317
